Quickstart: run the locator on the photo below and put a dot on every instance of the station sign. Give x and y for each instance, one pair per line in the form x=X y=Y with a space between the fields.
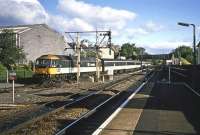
x=12 y=76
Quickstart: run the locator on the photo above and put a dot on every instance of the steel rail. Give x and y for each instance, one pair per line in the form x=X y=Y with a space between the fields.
x=116 y=112
x=104 y=87
x=179 y=68
x=62 y=132
x=181 y=74
x=194 y=91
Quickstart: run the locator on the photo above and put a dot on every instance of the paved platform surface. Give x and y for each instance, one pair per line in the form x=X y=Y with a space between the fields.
x=126 y=121
x=171 y=109
x=161 y=110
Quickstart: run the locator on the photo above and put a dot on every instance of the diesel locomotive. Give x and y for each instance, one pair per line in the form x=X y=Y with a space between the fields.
x=62 y=66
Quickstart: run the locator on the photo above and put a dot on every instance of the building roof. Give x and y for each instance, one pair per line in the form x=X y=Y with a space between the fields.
x=25 y=25
x=23 y=28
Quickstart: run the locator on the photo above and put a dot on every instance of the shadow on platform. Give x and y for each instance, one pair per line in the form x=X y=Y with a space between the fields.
x=168 y=110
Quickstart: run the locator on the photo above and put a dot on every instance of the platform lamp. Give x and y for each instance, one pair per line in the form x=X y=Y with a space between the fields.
x=194 y=38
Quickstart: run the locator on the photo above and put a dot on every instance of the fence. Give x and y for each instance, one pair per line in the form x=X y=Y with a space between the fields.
x=3 y=76
x=21 y=75
x=189 y=74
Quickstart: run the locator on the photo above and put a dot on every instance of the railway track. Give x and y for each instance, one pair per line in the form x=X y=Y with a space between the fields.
x=103 y=115
x=55 y=107
x=33 y=111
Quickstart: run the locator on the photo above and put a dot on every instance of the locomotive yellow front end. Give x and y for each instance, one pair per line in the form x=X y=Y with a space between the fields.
x=45 y=65
x=52 y=67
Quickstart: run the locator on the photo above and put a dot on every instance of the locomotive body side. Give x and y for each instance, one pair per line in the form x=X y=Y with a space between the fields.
x=61 y=66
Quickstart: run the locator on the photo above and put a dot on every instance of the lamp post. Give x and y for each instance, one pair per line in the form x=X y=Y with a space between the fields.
x=194 y=38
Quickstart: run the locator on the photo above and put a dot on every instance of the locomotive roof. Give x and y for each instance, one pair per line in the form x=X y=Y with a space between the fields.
x=84 y=58
x=120 y=60
x=54 y=57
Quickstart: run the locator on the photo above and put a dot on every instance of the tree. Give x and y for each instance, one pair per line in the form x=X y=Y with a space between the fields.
x=128 y=50
x=9 y=52
x=88 y=53
x=131 y=51
x=184 y=52
x=140 y=51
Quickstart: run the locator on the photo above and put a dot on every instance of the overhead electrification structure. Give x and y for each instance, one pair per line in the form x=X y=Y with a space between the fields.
x=100 y=38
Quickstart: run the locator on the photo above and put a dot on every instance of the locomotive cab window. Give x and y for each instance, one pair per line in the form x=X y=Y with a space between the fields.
x=43 y=63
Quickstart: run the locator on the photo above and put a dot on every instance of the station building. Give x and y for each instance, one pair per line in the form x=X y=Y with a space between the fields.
x=40 y=39
x=37 y=40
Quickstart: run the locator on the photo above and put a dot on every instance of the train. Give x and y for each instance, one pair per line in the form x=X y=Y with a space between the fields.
x=63 y=67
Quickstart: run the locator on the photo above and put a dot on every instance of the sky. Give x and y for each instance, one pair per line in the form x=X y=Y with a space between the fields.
x=151 y=24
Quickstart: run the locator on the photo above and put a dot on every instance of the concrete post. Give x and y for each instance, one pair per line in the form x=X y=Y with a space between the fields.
x=110 y=74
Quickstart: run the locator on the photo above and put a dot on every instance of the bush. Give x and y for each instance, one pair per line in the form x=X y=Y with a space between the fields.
x=3 y=73
x=23 y=71
x=22 y=67
x=2 y=68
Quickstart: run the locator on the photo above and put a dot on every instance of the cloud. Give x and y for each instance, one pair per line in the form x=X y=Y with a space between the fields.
x=168 y=44
x=153 y=27
x=65 y=24
x=22 y=11
x=96 y=15
x=88 y=17
x=145 y=29
x=74 y=15
x=136 y=31
x=31 y=11
x=162 y=47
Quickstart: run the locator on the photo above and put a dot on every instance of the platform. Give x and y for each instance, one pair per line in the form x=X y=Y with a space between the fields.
x=165 y=109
